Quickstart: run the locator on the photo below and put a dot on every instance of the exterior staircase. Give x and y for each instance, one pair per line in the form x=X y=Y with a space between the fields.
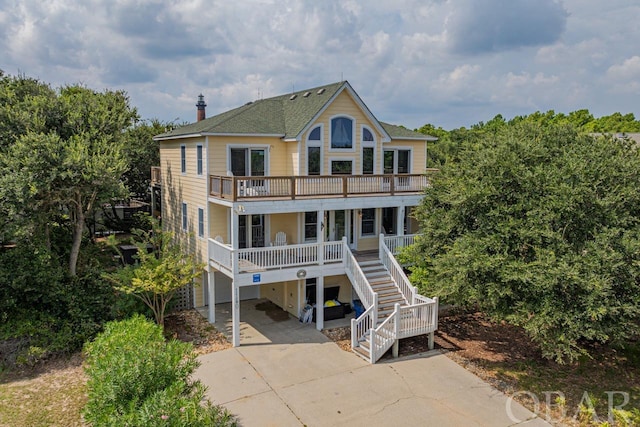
x=382 y=284
x=388 y=296
x=394 y=308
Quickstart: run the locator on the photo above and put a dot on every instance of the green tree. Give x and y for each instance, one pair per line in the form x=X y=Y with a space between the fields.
x=161 y=270
x=64 y=170
x=140 y=153
x=539 y=226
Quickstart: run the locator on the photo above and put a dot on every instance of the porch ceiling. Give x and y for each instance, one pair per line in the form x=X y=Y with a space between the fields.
x=251 y=207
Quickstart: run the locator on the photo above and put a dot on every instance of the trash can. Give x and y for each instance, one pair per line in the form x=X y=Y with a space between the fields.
x=358 y=307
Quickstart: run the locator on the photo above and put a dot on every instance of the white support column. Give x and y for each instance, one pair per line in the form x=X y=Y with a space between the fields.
x=212 y=296
x=320 y=303
x=400 y=221
x=320 y=236
x=235 y=313
x=235 y=224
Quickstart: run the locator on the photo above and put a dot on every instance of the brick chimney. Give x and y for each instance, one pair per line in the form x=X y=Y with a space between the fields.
x=201 y=105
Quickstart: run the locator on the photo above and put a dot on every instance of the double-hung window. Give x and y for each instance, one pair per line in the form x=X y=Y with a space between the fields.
x=183 y=158
x=185 y=222
x=368 y=222
x=199 y=166
x=200 y=222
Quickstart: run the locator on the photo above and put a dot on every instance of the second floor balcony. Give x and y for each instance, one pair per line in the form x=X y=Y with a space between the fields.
x=236 y=188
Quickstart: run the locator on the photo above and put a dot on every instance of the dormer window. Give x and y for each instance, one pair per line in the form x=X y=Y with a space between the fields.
x=342 y=133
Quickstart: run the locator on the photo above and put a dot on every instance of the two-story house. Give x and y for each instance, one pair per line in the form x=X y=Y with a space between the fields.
x=282 y=197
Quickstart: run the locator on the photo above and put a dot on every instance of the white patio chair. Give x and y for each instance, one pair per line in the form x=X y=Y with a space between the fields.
x=281 y=239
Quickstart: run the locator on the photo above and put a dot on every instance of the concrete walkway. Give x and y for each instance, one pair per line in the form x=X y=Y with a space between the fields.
x=288 y=374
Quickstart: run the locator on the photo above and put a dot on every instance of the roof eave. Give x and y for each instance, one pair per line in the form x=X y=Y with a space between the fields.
x=198 y=134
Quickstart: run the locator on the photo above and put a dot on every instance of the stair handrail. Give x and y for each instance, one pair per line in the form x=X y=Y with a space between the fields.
x=397 y=273
x=390 y=327
x=361 y=325
x=358 y=279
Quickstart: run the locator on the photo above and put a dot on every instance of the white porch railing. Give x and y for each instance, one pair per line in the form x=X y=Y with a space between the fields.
x=395 y=270
x=396 y=242
x=221 y=254
x=418 y=319
x=273 y=257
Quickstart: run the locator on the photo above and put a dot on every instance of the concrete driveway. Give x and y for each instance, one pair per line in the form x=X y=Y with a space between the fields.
x=288 y=374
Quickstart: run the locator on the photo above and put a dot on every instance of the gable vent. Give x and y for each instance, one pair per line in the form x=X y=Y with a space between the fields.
x=321 y=91
x=293 y=97
x=306 y=94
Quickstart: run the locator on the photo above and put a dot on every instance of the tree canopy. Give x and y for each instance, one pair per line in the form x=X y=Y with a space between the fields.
x=57 y=166
x=451 y=142
x=539 y=226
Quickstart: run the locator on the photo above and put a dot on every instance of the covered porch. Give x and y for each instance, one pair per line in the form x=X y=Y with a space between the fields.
x=262 y=322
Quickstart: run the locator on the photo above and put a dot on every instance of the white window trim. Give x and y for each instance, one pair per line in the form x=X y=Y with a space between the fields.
x=395 y=159
x=354 y=143
x=314 y=143
x=202 y=161
x=184 y=216
x=375 y=224
x=266 y=148
x=183 y=159
x=303 y=225
x=342 y=159
x=369 y=144
x=204 y=223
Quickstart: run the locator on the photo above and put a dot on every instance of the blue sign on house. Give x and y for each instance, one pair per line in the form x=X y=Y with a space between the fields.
x=256 y=278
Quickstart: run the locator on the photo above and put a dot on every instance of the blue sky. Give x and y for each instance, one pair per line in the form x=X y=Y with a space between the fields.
x=451 y=63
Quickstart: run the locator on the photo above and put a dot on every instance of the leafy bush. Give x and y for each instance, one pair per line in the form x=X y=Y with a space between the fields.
x=43 y=308
x=136 y=378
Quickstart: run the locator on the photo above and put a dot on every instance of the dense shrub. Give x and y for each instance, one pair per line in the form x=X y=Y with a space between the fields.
x=538 y=226
x=136 y=378
x=43 y=310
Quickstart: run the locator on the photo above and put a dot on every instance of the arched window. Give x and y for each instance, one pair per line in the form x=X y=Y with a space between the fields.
x=341 y=133
x=367 y=135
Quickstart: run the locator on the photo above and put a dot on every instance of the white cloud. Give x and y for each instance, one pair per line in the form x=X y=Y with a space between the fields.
x=412 y=61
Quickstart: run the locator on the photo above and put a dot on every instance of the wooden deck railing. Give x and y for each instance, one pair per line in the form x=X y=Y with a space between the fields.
x=292 y=187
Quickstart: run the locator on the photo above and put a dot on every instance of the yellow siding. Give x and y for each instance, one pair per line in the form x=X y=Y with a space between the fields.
x=419 y=152
x=178 y=188
x=287 y=223
x=277 y=153
x=218 y=221
x=274 y=292
x=344 y=283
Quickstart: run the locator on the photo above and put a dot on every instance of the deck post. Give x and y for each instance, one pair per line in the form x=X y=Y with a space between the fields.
x=396 y=331
x=400 y=221
x=320 y=303
x=212 y=295
x=320 y=236
x=235 y=313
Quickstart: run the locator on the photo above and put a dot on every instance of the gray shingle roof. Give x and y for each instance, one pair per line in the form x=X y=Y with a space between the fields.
x=402 y=132
x=285 y=115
